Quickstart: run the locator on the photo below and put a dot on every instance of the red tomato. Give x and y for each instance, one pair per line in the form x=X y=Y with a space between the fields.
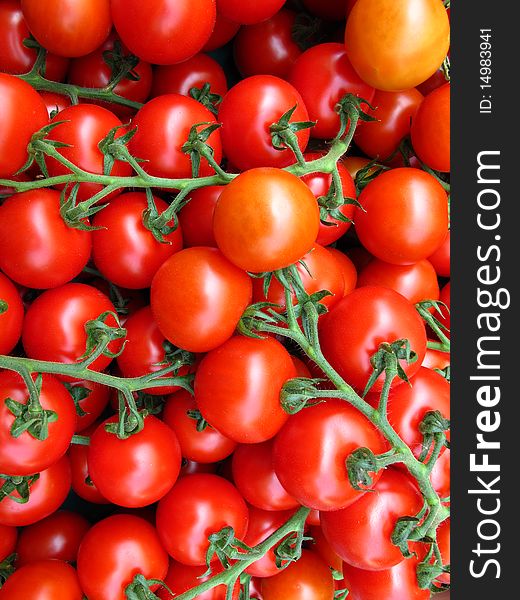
x=322 y=547
x=347 y=268
x=196 y=217
x=247 y=12
x=265 y=219
x=301 y=368
x=8 y=537
x=223 y=32
x=309 y=578
x=432 y=83
x=397 y=231
x=11 y=314
x=181 y=578
x=198 y=297
x=37 y=248
x=58 y=536
x=327 y=9
x=83 y=127
x=54 y=326
x=23 y=113
x=440 y=259
x=441 y=475
x=436 y=359
x=192 y=73
x=46 y=496
x=254 y=476
x=394 y=111
x=445 y=319
x=248 y=111
x=116 y=549
x=416 y=282
x=238 y=385
x=398 y=47
x=323 y=75
x=163 y=126
x=81 y=482
x=267 y=48
x=95 y=399
x=55 y=102
x=43 y=580
x=197 y=506
x=311 y=449
x=351 y=333
x=361 y=534
x=147 y=464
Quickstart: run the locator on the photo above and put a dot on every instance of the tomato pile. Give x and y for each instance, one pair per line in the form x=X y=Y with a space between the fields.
x=224 y=299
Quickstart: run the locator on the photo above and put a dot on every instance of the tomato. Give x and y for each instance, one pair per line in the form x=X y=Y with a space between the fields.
x=416 y=282
x=301 y=368
x=265 y=219
x=432 y=83
x=43 y=580
x=436 y=359
x=147 y=464
x=23 y=113
x=206 y=446
x=116 y=549
x=323 y=75
x=15 y=58
x=163 y=125
x=445 y=319
x=247 y=12
x=223 y=32
x=254 y=476
x=181 y=578
x=196 y=217
x=47 y=494
x=352 y=332
x=94 y=398
x=56 y=537
x=11 y=314
x=55 y=102
x=238 y=385
x=192 y=73
x=311 y=449
x=322 y=547
x=81 y=481
x=68 y=28
x=431 y=129
x=267 y=48
x=327 y=9
x=347 y=268
x=440 y=259
x=443 y=539
x=197 y=506
x=198 y=297
x=164 y=32
x=8 y=538
x=54 y=326
x=37 y=248
x=309 y=578
x=441 y=475
x=247 y=112
x=320 y=183
x=354 y=164
x=397 y=231
x=394 y=111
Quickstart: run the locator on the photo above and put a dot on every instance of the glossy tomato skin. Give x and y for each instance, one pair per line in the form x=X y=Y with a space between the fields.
x=181 y=578
x=207 y=446
x=47 y=494
x=311 y=449
x=396 y=48
x=223 y=32
x=23 y=113
x=431 y=129
x=397 y=231
x=55 y=102
x=93 y=404
x=163 y=126
x=247 y=112
x=322 y=547
x=198 y=297
x=347 y=268
x=165 y=32
x=54 y=326
x=238 y=385
x=81 y=482
x=265 y=219
x=254 y=476
x=11 y=314
x=196 y=217
x=37 y=248
x=361 y=534
x=445 y=318
x=8 y=539
x=440 y=259
x=197 y=506
x=323 y=75
x=309 y=578
x=351 y=333
x=147 y=465
x=116 y=549
x=247 y=12
x=43 y=580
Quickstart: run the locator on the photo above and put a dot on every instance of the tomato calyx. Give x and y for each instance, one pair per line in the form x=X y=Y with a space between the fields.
x=350 y=111
x=361 y=463
x=40 y=146
x=283 y=134
x=331 y=203
x=446 y=373
x=197 y=147
x=386 y=360
x=17 y=488
x=428 y=572
x=78 y=393
x=433 y=428
x=299 y=393
x=7 y=567
x=227 y=548
x=290 y=549
x=122 y=65
x=99 y=336
x=196 y=415
x=206 y=97
x=139 y=589
x=401 y=535
x=424 y=310
x=4 y=306
x=367 y=174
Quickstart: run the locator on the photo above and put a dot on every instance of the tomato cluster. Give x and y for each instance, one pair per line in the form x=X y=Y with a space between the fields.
x=224 y=299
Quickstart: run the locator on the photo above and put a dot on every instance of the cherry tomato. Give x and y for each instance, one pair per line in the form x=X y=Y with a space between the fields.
x=322 y=547
x=265 y=219
x=55 y=102
x=323 y=75
x=197 y=506
x=11 y=313
x=397 y=231
x=198 y=297
x=351 y=333
x=8 y=538
x=394 y=47
x=440 y=259
x=147 y=464
x=238 y=385
x=445 y=318
x=92 y=400
x=247 y=12
x=196 y=217
x=223 y=32
x=181 y=578
x=347 y=268
x=23 y=113
x=114 y=551
x=247 y=112
x=81 y=483
x=436 y=359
